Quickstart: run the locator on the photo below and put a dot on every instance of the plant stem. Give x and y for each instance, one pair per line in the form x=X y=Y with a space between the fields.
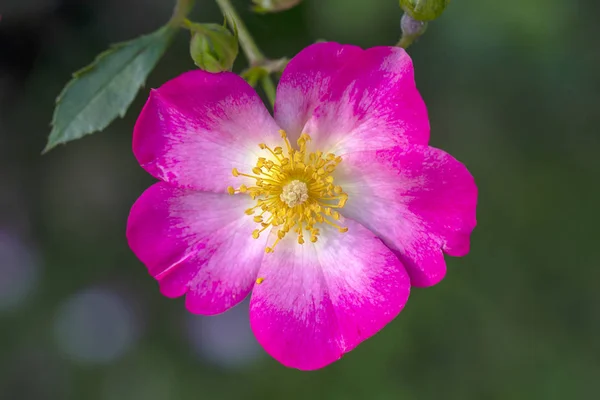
x=253 y=54
x=405 y=41
x=250 y=48
x=269 y=88
x=181 y=11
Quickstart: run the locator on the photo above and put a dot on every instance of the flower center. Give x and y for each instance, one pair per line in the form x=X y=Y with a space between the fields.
x=293 y=192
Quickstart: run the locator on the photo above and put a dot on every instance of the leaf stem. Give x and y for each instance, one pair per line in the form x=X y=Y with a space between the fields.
x=253 y=54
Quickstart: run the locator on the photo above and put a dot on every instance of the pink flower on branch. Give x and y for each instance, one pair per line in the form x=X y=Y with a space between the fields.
x=327 y=213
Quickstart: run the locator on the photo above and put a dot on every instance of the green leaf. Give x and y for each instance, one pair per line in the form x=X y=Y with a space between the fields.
x=103 y=90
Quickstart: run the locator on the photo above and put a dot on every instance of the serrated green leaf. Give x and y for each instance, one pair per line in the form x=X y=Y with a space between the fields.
x=103 y=90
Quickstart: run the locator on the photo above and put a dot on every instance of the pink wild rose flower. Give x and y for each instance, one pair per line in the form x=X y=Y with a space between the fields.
x=328 y=213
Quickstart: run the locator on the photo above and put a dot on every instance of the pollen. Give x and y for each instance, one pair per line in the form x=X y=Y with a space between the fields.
x=294 y=191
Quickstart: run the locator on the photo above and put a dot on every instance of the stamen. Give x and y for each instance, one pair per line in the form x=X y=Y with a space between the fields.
x=296 y=190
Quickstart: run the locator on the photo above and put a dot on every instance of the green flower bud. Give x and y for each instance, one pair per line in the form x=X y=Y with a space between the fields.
x=272 y=6
x=424 y=10
x=213 y=47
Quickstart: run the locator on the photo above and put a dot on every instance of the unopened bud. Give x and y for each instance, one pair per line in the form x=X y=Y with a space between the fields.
x=411 y=27
x=424 y=10
x=272 y=6
x=213 y=47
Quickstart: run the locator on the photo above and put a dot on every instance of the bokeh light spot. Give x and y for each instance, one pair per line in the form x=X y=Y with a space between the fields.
x=226 y=339
x=95 y=327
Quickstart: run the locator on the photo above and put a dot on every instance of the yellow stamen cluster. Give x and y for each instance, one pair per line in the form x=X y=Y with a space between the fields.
x=293 y=192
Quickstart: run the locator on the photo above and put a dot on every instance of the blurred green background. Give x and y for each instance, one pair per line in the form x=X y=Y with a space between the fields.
x=512 y=90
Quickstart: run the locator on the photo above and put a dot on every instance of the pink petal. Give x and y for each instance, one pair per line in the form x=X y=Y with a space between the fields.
x=319 y=301
x=372 y=103
x=308 y=77
x=195 y=128
x=419 y=200
x=196 y=243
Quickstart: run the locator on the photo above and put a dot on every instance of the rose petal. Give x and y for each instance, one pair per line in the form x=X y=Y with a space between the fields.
x=196 y=243
x=306 y=78
x=197 y=127
x=419 y=200
x=319 y=301
x=371 y=104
